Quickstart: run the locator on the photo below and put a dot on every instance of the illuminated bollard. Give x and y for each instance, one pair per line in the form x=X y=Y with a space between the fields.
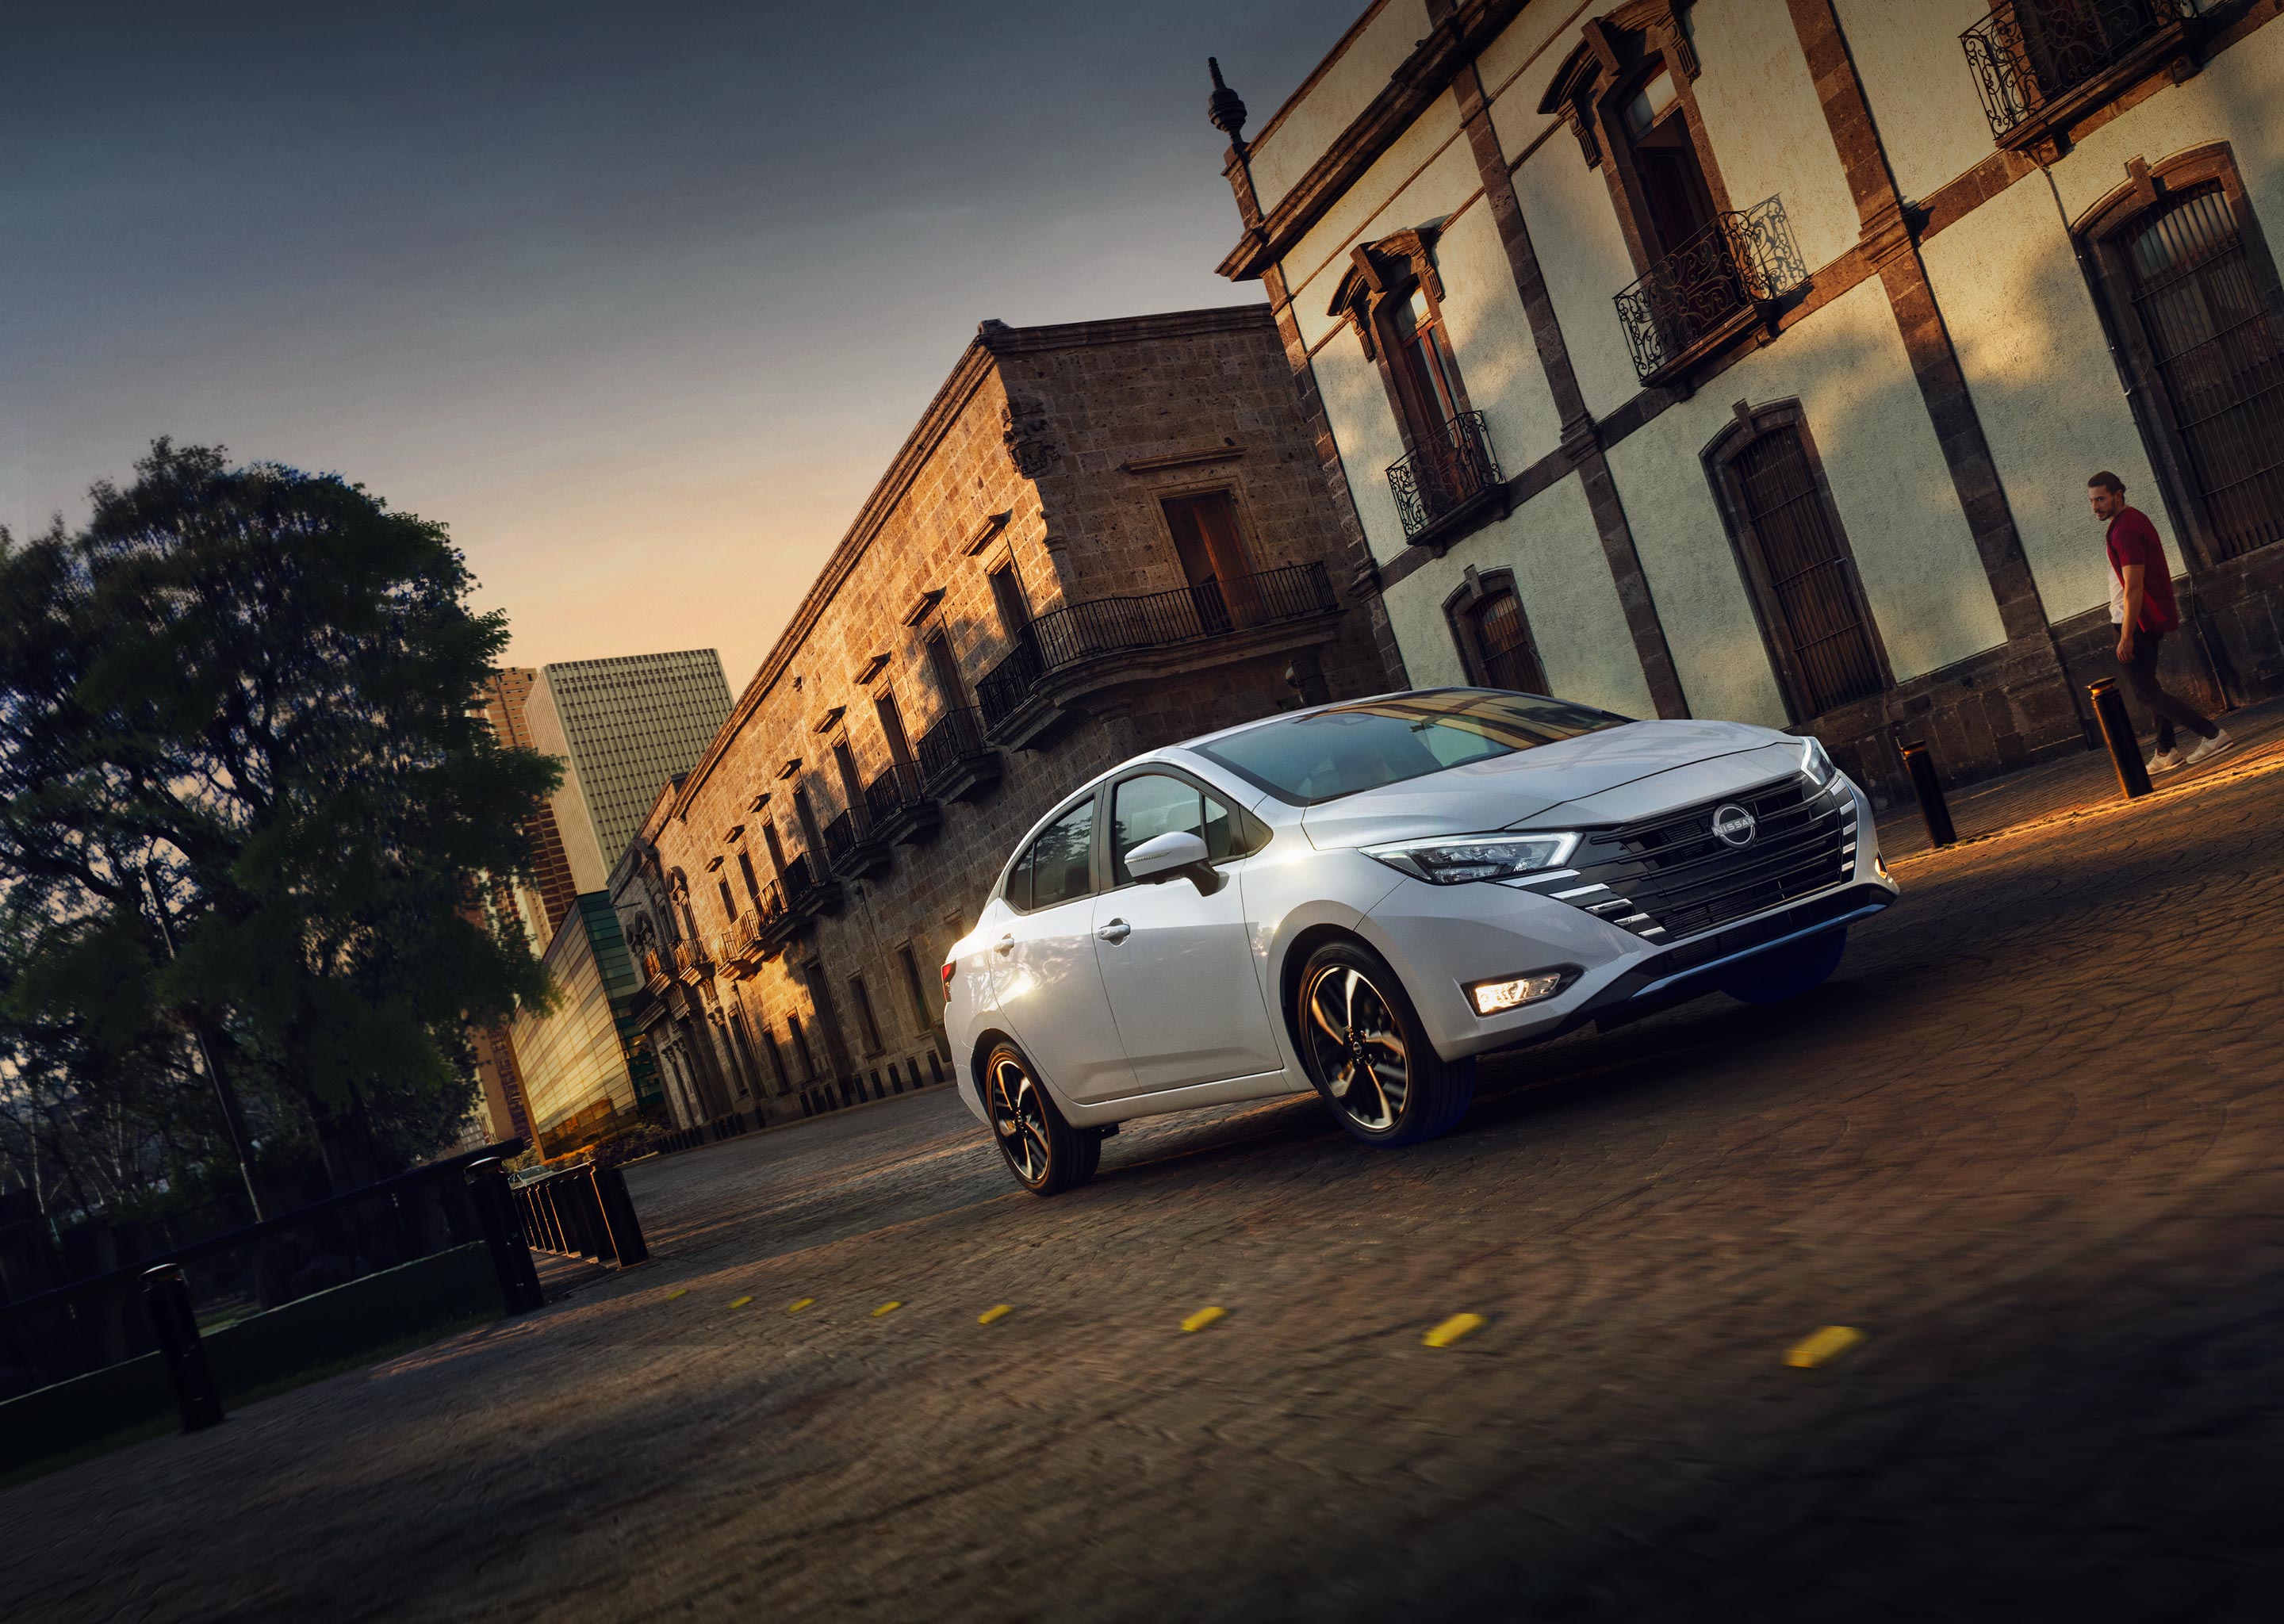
x=2117 y=733
x=1919 y=763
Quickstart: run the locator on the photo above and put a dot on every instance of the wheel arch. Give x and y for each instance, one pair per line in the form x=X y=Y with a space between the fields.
x=1296 y=954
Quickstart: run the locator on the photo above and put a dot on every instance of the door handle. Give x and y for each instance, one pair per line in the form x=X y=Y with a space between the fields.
x=1117 y=930
x=1006 y=944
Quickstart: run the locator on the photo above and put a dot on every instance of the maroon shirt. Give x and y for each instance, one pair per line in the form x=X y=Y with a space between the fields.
x=2133 y=540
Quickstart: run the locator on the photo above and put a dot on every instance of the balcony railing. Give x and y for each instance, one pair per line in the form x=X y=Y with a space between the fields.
x=690 y=959
x=1442 y=475
x=1101 y=626
x=853 y=846
x=1742 y=262
x=655 y=970
x=898 y=786
x=2028 y=55
x=955 y=738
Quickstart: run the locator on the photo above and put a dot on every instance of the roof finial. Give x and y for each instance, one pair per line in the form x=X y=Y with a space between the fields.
x=1225 y=108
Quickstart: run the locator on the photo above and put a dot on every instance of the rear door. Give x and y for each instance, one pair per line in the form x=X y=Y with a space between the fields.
x=1049 y=986
x=1178 y=965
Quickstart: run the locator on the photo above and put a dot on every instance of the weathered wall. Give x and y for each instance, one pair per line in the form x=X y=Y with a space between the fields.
x=1345 y=87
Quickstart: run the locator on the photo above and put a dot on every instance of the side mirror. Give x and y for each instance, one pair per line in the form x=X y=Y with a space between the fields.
x=1177 y=856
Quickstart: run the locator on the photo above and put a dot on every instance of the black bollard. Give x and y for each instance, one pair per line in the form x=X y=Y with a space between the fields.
x=1919 y=763
x=519 y=1277
x=2117 y=733
x=176 y=1326
x=619 y=1214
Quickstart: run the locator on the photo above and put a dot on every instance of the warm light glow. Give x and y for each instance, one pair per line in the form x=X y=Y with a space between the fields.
x=1492 y=997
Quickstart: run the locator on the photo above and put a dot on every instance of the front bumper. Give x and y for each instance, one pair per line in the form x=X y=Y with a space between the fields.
x=1443 y=939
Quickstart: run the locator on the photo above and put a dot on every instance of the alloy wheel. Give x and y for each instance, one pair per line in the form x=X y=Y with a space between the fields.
x=1019 y=1117
x=1358 y=1046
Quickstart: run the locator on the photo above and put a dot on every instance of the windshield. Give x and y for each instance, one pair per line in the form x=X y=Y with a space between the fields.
x=1349 y=748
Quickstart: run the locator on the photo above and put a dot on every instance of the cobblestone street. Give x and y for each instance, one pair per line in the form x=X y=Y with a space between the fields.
x=2029 y=1140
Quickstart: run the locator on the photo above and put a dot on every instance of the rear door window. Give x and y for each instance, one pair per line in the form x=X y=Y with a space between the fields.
x=1057 y=868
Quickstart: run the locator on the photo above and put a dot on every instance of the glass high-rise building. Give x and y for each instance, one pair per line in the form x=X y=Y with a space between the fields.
x=587 y=1071
x=621 y=728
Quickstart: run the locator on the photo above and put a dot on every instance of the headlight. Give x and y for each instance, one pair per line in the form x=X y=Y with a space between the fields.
x=1451 y=860
x=1815 y=763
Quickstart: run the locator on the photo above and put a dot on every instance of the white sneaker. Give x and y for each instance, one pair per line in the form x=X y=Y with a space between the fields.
x=2165 y=761
x=2205 y=749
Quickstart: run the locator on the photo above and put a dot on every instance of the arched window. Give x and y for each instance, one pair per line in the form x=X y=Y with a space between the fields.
x=2195 y=297
x=1795 y=561
x=1493 y=634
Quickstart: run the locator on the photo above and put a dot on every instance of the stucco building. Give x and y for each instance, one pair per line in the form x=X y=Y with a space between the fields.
x=1748 y=358
x=1098 y=537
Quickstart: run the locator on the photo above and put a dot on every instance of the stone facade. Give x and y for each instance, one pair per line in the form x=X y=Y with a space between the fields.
x=1171 y=559
x=1774 y=341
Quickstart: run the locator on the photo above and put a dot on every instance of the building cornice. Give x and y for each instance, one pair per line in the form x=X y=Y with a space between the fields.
x=1448 y=46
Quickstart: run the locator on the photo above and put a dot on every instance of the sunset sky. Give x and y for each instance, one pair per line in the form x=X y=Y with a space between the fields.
x=639 y=300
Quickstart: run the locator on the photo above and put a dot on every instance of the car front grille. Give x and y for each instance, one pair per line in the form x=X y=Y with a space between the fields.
x=1672 y=876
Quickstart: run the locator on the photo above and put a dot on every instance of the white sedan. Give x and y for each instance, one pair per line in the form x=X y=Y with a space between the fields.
x=1362 y=898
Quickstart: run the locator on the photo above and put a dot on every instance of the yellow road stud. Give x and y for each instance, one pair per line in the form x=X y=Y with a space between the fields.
x=887 y=1307
x=998 y=1311
x=1825 y=1346
x=1202 y=1318
x=798 y=1304
x=1457 y=1329
x=740 y=1302
x=679 y=1290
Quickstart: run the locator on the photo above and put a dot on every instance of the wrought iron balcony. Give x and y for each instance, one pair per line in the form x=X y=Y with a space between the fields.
x=777 y=924
x=1095 y=626
x=955 y=762
x=902 y=809
x=808 y=891
x=1446 y=481
x=655 y=971
x=1732 y=272
x=2031 y=59
x=852 y=847
x=690 y=962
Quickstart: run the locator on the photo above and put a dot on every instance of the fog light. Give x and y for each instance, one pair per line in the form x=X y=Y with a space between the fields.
x=1880 y=867
x=1493 y=996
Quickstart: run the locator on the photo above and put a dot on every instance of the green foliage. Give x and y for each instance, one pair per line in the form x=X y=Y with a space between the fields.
x=251 y=692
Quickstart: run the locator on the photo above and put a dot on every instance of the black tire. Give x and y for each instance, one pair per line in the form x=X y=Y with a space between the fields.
x=1772 y=978
x=1355 y=1024
x=1044 y=1152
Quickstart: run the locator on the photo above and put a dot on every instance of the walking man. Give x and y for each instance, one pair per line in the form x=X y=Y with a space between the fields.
x=2142 y=608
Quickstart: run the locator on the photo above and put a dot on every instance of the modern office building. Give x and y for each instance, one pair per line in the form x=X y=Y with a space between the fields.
x=587 y=1071
x=542 y=903
x=620 y=728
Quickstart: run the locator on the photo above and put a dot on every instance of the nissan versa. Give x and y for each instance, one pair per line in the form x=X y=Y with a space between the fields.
x=1364 y=897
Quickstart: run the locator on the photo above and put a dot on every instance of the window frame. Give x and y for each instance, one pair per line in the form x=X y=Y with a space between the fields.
x=1618 y=53
x=1096 y=873
x=1748 y=427
x=1462 y=612
x=1381 y=277
x=2101 y=235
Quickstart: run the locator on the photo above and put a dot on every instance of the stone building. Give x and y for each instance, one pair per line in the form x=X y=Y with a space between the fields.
x=1748 y=358
x=1100 y=537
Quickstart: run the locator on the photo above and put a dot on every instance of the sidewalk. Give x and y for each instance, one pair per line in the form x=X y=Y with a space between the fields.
x=2081 y=782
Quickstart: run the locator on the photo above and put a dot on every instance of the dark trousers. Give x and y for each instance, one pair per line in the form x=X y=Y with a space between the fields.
x=2141 y=678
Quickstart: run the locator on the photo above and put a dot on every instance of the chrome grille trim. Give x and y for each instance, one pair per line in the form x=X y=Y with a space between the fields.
x=1675 y=879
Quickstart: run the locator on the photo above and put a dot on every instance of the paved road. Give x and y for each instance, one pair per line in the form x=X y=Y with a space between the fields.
x=2030 y=1140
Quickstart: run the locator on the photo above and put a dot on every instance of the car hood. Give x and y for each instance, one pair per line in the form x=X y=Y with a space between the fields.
x=1508 y=790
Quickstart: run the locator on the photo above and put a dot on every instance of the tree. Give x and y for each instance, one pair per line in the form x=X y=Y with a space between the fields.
x=245 y=695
